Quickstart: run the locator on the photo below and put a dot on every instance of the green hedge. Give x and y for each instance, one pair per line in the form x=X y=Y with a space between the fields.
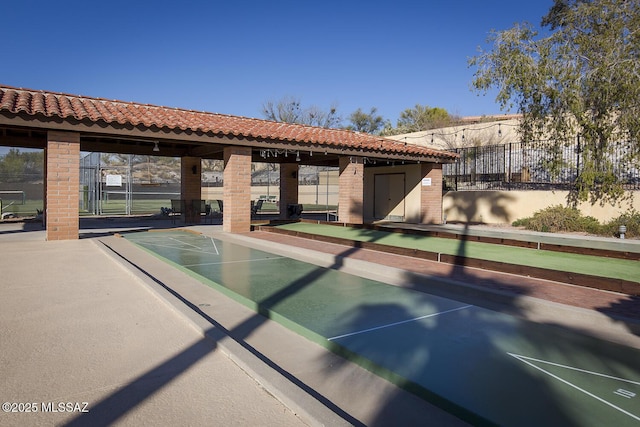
x=557 y=219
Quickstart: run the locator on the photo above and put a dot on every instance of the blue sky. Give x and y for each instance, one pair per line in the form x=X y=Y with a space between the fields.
x=231 y=57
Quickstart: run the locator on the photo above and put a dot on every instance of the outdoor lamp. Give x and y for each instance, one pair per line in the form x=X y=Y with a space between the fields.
x=621 y=230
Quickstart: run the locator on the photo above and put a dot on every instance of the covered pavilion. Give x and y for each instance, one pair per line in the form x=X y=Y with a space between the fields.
x=64 y=125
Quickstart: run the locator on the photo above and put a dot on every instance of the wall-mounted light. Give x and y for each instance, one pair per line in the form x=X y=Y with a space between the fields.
x=155 y=147
x=297 y=156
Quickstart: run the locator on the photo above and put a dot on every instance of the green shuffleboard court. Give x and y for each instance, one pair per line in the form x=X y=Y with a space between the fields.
x=575 y=263
x=485 y=367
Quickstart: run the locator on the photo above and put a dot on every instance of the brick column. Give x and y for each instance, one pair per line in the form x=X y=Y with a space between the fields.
x=351 y=190
x=62 y=199
x=237 y=190
x=288 y=187
x=431 y=195
x=191 y=187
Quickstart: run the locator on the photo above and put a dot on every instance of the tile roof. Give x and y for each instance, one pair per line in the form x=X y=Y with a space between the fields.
x=46 y=104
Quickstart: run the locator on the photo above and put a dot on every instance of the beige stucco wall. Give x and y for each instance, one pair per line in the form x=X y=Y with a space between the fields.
x=476 y=131
x=504 y=207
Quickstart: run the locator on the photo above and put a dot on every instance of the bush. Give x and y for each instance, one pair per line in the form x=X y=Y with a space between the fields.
x=558 y=218
x=555 y=219
x=630 y=219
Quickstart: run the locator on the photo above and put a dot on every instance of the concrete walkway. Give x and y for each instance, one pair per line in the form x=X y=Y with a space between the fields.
x=79 y=327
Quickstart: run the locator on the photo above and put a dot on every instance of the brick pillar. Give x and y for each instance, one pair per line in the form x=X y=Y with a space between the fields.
x=351 y=190
x=63 y=185
x=191 y=188
x=288 y=187
x=431 y=193
x=237 y=190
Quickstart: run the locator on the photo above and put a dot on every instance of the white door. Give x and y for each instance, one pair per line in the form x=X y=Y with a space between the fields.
x=389 y=193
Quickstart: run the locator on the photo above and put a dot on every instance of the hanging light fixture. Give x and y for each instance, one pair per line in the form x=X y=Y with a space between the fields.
x=297 y=156
x=155 y=147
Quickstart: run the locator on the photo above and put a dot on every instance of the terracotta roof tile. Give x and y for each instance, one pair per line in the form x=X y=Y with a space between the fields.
x=39 y=102
x=23 y=102
x=51 y=106
x=64 y=106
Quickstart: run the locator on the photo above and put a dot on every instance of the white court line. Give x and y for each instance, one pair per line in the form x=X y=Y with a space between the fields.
x=398 y=323
x=520 y=357
x=185 y=243
x=213 y=242
x=179 y=244
x=179 y=247
x=523 y=359
x=233 y=262
x=625 y=393
x=156 y=244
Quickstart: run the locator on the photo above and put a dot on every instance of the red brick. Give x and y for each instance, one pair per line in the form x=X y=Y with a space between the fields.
x=431 y=196
x=63 y=178
x=237 y=189
x=351 y=190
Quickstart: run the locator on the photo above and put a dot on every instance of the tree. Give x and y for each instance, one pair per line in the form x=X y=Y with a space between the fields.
x=580 y=79
x=289 y=110
x=21 y=166
x=420 y=118
x=369 y=123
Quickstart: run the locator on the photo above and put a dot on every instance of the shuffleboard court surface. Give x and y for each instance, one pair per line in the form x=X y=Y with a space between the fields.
x=484 y=366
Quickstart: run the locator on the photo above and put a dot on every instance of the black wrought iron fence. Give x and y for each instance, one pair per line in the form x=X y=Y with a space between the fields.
x=533 y=165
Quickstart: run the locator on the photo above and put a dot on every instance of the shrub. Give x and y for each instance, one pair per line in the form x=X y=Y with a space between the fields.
x=560 y=219
x=563 y=219
x=629 y=219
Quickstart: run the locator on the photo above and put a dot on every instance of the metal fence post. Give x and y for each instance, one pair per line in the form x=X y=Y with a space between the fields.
x=578 y=157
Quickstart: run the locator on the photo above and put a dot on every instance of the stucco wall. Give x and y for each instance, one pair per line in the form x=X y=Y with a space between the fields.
x=504 y=207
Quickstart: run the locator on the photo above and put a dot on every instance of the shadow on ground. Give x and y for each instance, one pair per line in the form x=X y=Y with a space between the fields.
x=423 y=356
